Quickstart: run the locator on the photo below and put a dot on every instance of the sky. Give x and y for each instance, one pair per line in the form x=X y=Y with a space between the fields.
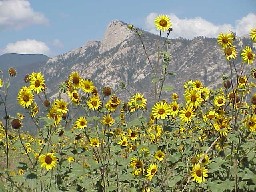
x=54 y=27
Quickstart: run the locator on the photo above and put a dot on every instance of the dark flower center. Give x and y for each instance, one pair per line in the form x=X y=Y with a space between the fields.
x=48 y=159
x=199 y=173
x=161 y=111
x=163 y=23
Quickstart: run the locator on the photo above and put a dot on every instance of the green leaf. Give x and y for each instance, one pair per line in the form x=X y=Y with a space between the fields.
x=167 y=88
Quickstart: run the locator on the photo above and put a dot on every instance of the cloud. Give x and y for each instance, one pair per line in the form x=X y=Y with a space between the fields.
x=57 y=43
x=18 y=14
x=190 y=28
x=244 y=25
x=28 y=46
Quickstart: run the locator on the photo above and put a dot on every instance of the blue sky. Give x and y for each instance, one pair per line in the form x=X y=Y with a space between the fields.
x=54 y=27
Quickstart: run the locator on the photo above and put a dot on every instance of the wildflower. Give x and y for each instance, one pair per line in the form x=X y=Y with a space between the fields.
x=74 y=96
x=137 y=166
x=94 y=142
x=250 y=123
x=37 y=82
x=55 y=115
x=174 y=108
x=222 y=125
x=205 y=93
x=253 y=99
x=112 y=103
x=204 y=158
x=106 y=91
x=61 y=106
x=81 y=123
x=48 y=161
x=247 y=55
x=16 y=124
x=159 y=155
x=94 y=102
x=219 y=100
x=253 y=34
x=74 y=79
x=199 y=173
x=160 y=110
x=151 y=171
x=138 y=101
x=193 y=97
x=87 y=86
x=230 y=52
x=107 y=120
x=174 y=96
x=225 y=40
x=1 y=83
x=25 y=97
x=12 y=72
x=132 y=134
x=70 y=159
x=123 y=141
x=34 y=109
x=163 y=23
x=186 y=114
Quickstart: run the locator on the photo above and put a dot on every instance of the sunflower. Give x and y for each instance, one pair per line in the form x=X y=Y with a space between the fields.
x=123 y=141
x=1 y=83
x=74 y=96
x=219 y=100
x=25 y=97
x=250 y=123
x=204 y=158
x=199 y=173
x=222 y=126
x=225 y=40
x=75 y=80
x=81 y=123
x=94 y=142
x=253 y=34
x=193 y=97
x=151 y=171
x=163 y=23
x=187 y=114
x=61 y=106
x=138 y=101
x=160 y=110
x=94 y=102
x=174 y=108
x=48 y=161
x=230 y=52
x=55 y=115
x=87 y=86
x=113 y=103
x=159 y=155
x=107 y=120
x=247 y=55
x=37 y=82
x=137 y=166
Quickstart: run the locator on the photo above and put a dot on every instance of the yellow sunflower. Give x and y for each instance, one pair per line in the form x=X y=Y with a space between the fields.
x=187 y=114
x=87 y=86
x=199 y=173
x=163 y=23
x=61 y=106
x=81 y=123
x=219 y=100
x=1 y=83
x=94 y=142
x=247 y=55
x=174 y=108
x=230 y=52
x=222 y=125
x=193 y=97
x=225 y=40
x=137 y=166
x=37 y=82
x=48 y=161
x=250 y=123
x=74 y=96
x=253 y=34
x=159 y=155
x=112 y=103
x=94 y=102
x=138 y=101
x=160 y=110
x=55 y=115
x=123 y=141
x=25 y=97
x=75 y=80
x=107 y=120
x=151 y=171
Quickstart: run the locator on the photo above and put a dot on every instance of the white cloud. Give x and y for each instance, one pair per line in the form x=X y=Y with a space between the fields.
x=18 y=14
x=28 y=46
x=244 y=25
x=190 y=28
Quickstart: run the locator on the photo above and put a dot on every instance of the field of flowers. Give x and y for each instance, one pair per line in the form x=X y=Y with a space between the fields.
x=91 y=140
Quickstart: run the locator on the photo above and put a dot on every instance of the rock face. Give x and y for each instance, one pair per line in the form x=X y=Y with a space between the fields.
x=120 y=58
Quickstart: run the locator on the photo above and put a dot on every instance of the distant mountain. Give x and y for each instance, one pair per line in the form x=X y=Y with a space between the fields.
x=120 y=57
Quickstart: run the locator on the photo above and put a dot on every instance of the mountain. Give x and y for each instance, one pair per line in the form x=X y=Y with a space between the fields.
x=120 y=58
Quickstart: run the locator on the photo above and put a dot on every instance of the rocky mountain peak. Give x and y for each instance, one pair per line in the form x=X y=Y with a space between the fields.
x=116 y=33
